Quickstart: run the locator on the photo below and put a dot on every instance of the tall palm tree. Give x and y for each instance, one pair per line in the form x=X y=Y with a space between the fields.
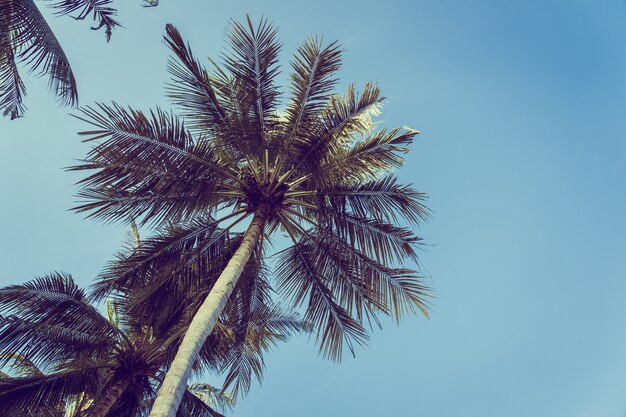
x=73 y=361
x=317 y=171
x=26 y=38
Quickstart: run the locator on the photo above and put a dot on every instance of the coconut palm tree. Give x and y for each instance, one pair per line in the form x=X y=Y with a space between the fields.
x=70 y=360
x=26 y=38
x=317 y=171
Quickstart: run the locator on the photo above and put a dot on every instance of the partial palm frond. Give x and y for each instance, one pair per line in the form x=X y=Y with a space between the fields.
x=300 y=279
x=169 y=259
x=192 y=88
x=18 y=365
x=146 y=165
x=103 y=13
x=12 y=90
x=382 y=199
x=312 y=82
x=42 y=395
x=49 y=315
x=253 y=62
x=214 y=398
x=343 y=117
x=373 y=285
x=378 y=239
x=367 y=159
x=33 y=43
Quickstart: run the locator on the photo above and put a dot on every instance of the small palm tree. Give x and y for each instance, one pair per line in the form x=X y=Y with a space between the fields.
x=317 y=171
x=73 y=361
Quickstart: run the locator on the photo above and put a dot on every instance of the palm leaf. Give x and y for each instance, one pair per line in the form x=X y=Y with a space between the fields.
x=102 y=13
x=33 y=43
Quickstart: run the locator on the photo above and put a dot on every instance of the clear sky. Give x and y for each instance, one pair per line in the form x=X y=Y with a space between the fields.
x=523 y=109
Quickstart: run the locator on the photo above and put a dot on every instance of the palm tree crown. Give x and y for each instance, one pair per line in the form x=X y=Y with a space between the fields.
x=318 y=171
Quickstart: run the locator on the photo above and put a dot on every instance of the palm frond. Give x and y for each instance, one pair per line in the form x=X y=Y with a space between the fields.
x=192 y=88
x=383 y=199
x=213 y=397
x=300 y=280
x=311 y=84
x=45 y=393
x=103 y=13
x=253 y=61
x=168 y=260
x=50 y=321
x=33 y=43
x=367 y=159
x=342 y=117
x=145 y=163
x=378 y=239
x=12 y=90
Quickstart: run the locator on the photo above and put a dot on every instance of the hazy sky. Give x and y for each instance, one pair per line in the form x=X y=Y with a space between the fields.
x=523 y=109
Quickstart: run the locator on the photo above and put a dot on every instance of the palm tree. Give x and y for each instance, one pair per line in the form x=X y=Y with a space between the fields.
x=26 y=38
x=70 y=360
x=317 y=171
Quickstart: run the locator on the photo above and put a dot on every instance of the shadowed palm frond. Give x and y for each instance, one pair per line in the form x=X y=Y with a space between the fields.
x=43 y=393
x=300 y=280
x=144 y=166
x=12 y=90
x=103 y=13
x=169 y=260
x=253 y=63
x=31 y=41
x=51 y=321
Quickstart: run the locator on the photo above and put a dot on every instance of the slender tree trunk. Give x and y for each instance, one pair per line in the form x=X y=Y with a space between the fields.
x=115 y=391
x=175 y=382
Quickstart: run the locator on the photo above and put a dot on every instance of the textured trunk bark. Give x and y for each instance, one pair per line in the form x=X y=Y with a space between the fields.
x=115 y=391
x=175 y=382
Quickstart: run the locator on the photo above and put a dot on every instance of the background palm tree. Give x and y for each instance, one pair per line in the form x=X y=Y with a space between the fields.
x=317 y=171
x=67 y=359
x=26 y=38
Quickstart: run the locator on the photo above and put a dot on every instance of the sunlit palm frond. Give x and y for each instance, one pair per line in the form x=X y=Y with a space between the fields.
x=212 y=399
x=376 y=154
x=343 y=117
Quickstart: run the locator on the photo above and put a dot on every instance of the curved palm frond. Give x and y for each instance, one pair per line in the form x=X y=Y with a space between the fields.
x=143 y=167
x=27 y=38
x=103 y=13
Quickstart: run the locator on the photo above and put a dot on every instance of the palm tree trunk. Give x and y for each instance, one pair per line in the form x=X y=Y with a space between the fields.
x=113 y=393
x=175 y=381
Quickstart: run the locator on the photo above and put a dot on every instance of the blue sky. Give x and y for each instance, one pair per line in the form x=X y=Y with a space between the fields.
x=522 y=107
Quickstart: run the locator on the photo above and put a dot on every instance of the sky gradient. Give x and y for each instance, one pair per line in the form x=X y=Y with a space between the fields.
x=522 y=106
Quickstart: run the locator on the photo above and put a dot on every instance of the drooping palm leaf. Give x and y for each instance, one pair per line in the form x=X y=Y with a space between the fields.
x=103 y=13
x=27 y=38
